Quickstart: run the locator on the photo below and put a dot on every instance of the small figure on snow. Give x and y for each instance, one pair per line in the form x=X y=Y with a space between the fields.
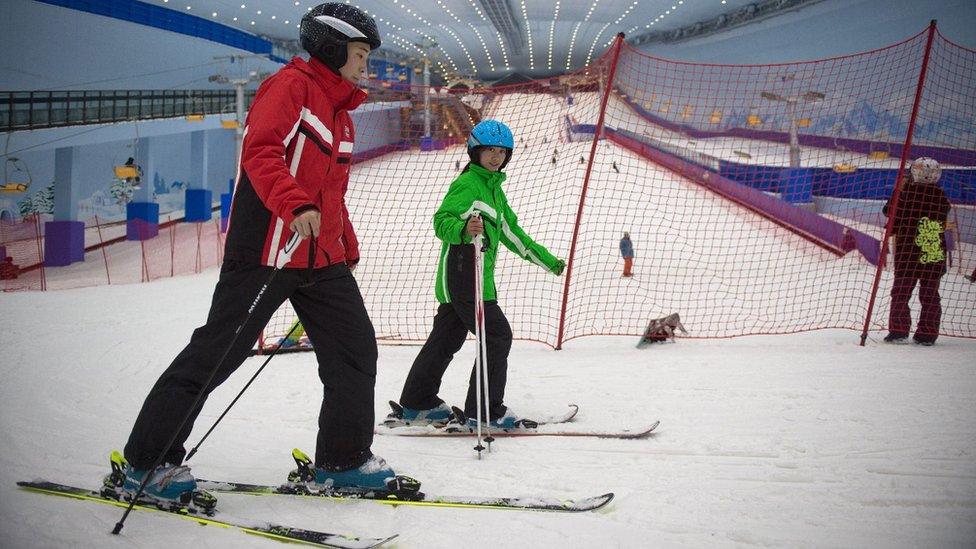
x=627 y=252
x=662 y=329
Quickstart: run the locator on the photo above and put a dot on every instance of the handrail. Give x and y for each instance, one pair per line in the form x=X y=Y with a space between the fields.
x=32 y=110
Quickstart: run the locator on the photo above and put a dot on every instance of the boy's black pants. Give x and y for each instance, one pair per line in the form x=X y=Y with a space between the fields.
x=331 y=309
x=452 y=323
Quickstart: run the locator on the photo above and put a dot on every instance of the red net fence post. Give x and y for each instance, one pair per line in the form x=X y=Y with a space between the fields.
x=101 y=246
x=607 y=86
x=40 y=252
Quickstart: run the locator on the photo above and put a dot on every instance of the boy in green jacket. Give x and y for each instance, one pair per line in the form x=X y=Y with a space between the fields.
x=475 y=204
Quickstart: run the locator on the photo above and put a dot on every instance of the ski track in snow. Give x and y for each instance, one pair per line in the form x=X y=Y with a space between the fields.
x=771 y=441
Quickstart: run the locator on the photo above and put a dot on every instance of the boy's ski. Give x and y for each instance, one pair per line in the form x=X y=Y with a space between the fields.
x=559 y=418
x=264 y=529
x=395 y=419
x=455 y=430
x=401 y=491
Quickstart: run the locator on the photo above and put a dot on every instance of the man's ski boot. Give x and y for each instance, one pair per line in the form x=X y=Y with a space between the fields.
x=371 y=480
x=171 y=487
x=401 y=416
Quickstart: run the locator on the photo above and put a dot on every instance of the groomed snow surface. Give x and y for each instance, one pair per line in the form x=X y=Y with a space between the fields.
x=806 y=440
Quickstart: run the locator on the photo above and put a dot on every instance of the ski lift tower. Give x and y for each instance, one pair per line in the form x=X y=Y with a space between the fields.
x=791 y=103
x=239 y=83
x=427 y=46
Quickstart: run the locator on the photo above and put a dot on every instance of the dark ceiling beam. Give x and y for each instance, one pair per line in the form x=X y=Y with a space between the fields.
x=751 y=13
x=503 y=18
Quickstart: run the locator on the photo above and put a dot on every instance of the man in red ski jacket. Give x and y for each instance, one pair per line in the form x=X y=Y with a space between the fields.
x=293 y=174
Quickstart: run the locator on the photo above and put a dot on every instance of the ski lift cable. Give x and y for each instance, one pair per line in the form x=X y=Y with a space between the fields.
x=36 y=145
x=154 y=73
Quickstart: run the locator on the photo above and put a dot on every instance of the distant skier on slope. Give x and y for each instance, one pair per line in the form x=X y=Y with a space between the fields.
x=627 y=252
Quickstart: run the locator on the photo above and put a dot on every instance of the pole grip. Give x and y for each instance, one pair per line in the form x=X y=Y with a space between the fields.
x=284 y=254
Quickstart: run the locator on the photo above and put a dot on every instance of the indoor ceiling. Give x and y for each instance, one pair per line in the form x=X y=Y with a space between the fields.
x=485 y=39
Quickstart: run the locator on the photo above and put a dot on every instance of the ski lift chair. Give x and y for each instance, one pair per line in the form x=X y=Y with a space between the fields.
x=228 y=117
x=129 y=170
x=16 y=176
x=126 y=172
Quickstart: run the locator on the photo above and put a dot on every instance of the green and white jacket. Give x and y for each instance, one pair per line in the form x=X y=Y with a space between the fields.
x=480 y=190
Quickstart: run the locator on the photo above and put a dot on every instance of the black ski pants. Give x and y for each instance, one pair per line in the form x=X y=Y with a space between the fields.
x=331 y=309
x=452 y=323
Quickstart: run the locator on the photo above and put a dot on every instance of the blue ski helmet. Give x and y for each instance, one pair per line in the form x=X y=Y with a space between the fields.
x=490 y=133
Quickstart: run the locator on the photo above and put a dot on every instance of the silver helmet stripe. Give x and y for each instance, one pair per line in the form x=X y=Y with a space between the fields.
x=341 y=26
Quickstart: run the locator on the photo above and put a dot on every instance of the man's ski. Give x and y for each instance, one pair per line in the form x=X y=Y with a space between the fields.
x=401 y=491
x=267 y=530
x=519 y=503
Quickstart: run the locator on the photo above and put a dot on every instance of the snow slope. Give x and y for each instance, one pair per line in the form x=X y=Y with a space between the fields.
x=805 y=440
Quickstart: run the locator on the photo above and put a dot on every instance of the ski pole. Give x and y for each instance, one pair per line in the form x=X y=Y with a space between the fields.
x=483 y=344
x=479 y=335
x=311 y=266
x=284 y=255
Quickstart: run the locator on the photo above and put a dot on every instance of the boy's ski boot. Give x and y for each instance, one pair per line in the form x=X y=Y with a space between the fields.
x=508 y=422
x=371 y=480
x=401 y=416
x=171 y=487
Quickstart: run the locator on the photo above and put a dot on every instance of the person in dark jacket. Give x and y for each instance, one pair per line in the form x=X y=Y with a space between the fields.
x=627 y=252
x=920 y=252
x=293 y=174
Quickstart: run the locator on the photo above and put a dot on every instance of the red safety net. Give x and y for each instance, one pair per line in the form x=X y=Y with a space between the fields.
x=110 y=258
x=752 y=195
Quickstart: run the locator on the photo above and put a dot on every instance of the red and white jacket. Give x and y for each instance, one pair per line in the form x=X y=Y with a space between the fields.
x=296 y=155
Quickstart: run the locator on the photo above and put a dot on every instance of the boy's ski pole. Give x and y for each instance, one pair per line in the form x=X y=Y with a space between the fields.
x=481 y=366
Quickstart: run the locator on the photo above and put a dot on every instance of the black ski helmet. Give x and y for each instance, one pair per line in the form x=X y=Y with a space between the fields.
x=327 y=28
